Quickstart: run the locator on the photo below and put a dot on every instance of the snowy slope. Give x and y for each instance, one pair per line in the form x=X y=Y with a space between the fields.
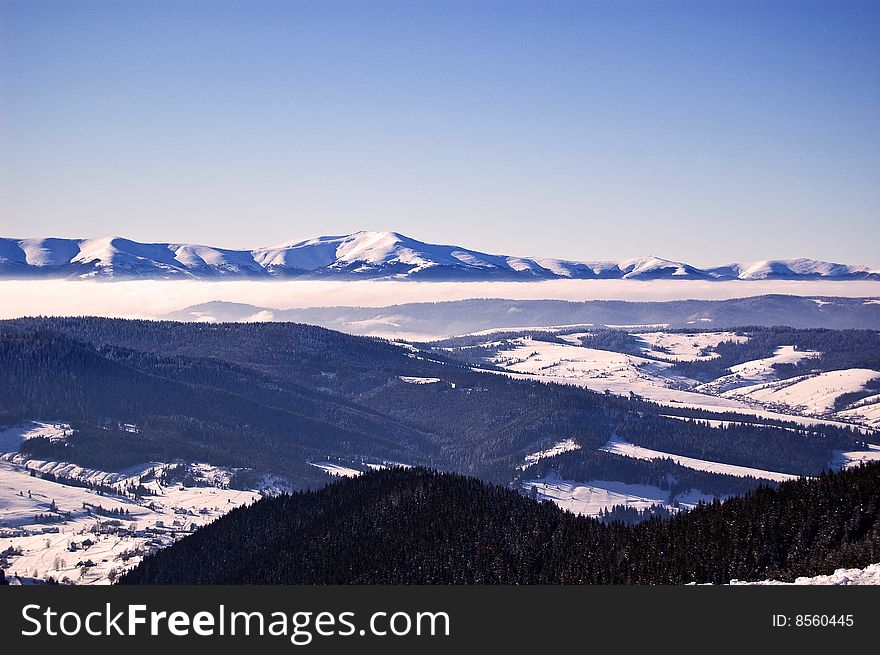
x=369 y=255
x=593 y=497
x=623 y=374
x=757 y=371
x=810 y=394
x=336 y=470
x=866 y=411
x=849 y=458
x=95 y=540
x=685 y=347
x=11 y=438
x=558 y=448
x=619 y=446
x=790 y=268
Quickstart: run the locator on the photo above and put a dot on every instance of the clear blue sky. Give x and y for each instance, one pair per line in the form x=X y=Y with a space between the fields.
x=703 y=131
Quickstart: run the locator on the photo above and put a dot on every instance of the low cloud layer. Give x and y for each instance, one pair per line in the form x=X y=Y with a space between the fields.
x=154 y=299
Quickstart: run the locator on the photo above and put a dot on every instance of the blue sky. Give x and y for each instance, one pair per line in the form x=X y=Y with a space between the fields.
x=703 y=131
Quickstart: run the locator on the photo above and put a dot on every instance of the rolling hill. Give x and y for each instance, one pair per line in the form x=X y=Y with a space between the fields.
x=422 y=527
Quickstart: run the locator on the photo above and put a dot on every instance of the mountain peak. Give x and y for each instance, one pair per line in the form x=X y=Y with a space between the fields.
x=365 y=255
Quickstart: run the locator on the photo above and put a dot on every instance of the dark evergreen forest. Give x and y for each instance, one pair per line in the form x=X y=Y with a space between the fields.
x=419 y=526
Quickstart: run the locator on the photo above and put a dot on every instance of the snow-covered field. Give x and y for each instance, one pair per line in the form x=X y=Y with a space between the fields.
x=619 y=446
x=50 y=528
x=11 y=438
x=846 y=459
x=809 y=394
x=417 y=380
x=593 y=497
x=756 y=371
x=589 y=367
x=623 y=374
x=675 y=346
x=336 y=470
x=751 y=387
x=339 y=470
x=866 y=412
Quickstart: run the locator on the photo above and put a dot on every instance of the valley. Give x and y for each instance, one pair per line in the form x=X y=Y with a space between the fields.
x=82 y=526
x=132 y=434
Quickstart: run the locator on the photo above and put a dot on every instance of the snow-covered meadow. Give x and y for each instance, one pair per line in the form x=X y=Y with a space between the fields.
x=813 y=395
x=593 y=497
x=751 y=388
x=86 y=526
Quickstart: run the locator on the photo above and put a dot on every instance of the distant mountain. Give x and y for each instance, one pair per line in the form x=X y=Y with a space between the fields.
x=420 y=527
x=431 y=320
x=364 y=255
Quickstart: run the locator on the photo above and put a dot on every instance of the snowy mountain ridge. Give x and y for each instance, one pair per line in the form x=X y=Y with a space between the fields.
x=365 y=255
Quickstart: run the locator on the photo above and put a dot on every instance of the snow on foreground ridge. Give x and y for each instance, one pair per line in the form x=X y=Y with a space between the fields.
x=870 y=575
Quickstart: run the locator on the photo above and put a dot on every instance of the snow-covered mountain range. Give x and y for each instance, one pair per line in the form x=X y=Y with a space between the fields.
x=364 y=255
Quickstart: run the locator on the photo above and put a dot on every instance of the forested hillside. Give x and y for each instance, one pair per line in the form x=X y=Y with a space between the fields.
x=273 y=397
x=436 y=319
x=422 y=527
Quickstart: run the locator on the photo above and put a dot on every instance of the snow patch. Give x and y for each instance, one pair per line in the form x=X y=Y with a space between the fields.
x=847 y=459
x=556 y=449
x=11 y=438
x=595 y=496
x=685 y=347
x=336 y=470
x=618 y=446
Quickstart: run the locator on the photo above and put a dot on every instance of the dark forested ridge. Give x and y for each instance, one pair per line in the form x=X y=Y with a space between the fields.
x=274 y=396
x=465 y=316
x=422 y=527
